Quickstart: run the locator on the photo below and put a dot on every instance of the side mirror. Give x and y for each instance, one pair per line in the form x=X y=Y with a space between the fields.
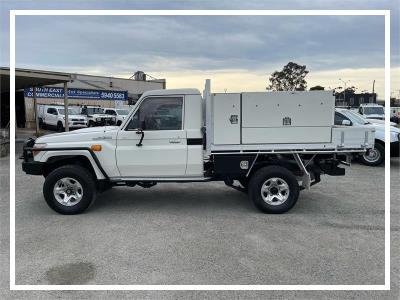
x=346 y=123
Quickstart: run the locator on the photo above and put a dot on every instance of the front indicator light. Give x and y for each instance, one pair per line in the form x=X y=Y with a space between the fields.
x=38 y=146
x=95 y=147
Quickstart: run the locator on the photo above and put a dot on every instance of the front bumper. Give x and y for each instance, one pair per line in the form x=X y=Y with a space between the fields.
x=33 y=167
x=77 y=125
x=30 y=166
x=105 y=122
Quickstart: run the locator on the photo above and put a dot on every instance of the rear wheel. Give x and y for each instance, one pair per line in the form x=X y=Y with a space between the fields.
x=69 y=189
x=375 y=156
x=273 y=189
x=119 y=123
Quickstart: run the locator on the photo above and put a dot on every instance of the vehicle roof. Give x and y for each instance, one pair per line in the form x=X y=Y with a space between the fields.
x=172 y=92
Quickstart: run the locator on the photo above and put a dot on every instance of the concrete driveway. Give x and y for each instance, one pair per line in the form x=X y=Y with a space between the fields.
x=207 y=233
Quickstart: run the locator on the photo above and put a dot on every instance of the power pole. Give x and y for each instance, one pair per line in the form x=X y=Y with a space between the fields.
x=345 y=87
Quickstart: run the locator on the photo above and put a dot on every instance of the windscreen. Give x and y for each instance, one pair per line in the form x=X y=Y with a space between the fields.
x=355 y=117
x=94 y=110
x=71 y=111
x=122 y=112
x=373 y=110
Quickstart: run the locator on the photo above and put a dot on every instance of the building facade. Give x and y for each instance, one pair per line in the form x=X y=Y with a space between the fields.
x=353 y=99
x=85 y=90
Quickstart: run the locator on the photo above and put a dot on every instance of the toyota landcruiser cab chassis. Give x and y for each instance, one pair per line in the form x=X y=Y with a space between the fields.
x=269 y=145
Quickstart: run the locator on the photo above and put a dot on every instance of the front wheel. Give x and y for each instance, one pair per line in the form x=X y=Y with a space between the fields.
x=274 y=189
x=69 y=189
x=60 y=127
x=375 y=156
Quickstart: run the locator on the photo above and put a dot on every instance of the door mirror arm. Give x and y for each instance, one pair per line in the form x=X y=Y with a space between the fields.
x=140 y=131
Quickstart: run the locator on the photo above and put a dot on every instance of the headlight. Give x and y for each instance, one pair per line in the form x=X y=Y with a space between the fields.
x=98 y=119
x=38 y=146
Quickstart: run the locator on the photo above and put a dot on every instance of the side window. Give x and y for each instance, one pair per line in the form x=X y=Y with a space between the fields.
x=339 y=118
x=158 y=113
x=52 y=111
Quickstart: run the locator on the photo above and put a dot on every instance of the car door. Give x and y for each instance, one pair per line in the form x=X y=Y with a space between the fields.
x=163 y=150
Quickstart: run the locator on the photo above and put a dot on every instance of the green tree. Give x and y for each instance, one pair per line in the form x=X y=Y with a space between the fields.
x=291 y=78
x=349 y=90
x=317 y=88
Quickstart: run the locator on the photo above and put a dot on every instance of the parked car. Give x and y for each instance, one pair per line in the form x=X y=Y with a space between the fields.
x=372 y=111
x=395 y=115
x=54 y=116
x=96 y=116
x=119 y=113
x=375 y=156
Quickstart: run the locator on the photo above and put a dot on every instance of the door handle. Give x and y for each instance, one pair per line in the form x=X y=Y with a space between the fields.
x=174 y=141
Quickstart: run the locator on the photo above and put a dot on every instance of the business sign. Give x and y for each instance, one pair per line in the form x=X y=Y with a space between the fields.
x=58 y=93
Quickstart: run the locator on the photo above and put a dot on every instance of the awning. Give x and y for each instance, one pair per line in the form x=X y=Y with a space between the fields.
x=26 y=78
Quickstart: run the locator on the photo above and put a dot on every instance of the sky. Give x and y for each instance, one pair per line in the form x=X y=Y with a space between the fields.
x=238 y=53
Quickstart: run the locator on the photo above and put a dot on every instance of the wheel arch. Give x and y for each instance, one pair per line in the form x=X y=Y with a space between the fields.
x=380 y=142
x=287 y=164
x=55 y=160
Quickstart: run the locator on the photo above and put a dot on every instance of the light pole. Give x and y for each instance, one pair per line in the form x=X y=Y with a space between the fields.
x=345 y=86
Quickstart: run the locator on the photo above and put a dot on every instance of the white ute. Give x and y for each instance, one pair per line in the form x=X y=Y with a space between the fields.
x=273 y=143
x=54 y=116
x=372 y=111
x=96 y=116
x=375 y=156
x=118 y=113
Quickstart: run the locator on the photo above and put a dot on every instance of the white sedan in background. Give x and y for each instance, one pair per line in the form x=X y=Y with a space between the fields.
x=375 y=156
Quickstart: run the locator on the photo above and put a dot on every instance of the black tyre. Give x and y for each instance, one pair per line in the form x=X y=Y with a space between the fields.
x=119 y=123
x=375 y=156
x=273 y=189
x=60 y=127
x=91 y=124
x=41 y=123
x=69 y=189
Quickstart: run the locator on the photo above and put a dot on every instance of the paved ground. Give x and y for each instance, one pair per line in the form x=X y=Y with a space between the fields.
x=205 y=233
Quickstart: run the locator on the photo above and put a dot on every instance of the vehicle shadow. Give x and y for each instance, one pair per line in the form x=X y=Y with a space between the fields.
x=202 y=197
